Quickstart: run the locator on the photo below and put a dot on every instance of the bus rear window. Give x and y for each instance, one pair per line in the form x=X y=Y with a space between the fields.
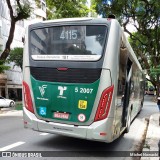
x=68 y=43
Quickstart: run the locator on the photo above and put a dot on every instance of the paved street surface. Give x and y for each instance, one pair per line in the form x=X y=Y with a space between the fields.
x=13 y=137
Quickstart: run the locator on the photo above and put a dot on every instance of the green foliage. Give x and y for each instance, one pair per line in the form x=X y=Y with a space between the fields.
x=155 y=72
x=38 y=3
x=66 y=9
x=19 y=106
x=93 y=8
x=24 y=9
x=16 y=56
x=144 y=16
x=3 y=67
x=148 y=53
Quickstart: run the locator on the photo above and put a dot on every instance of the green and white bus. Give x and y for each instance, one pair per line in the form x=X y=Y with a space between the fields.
x=81 y=78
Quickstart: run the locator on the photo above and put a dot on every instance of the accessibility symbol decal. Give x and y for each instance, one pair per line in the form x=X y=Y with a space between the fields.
x=42 y=111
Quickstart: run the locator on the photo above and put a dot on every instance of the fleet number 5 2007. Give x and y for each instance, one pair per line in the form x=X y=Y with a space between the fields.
x=83 y=90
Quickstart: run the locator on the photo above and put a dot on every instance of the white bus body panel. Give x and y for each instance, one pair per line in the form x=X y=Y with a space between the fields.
x=91 y=132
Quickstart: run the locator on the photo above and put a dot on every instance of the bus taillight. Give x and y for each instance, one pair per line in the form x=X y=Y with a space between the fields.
x=104 y=104
x=27 y=97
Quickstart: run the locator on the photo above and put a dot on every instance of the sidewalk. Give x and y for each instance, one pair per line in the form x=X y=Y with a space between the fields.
x=12 y=110
x=153 y=136
x=9 y=111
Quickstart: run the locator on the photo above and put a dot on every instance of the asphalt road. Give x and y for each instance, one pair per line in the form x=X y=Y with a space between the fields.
x=13 y=137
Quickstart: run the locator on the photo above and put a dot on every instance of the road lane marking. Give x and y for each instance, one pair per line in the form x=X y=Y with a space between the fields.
x=11 y=146
x=44 y=134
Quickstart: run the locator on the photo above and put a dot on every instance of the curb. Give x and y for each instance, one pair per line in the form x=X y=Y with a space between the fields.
x=152 y=137
x=138 y=143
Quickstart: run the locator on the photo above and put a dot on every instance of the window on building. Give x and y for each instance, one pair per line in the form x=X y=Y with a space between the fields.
x=1 y=48
x=0 y=28
x=43 y=6
x=0 y=31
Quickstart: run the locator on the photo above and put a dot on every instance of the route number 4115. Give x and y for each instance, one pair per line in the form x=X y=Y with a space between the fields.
x=70 y=34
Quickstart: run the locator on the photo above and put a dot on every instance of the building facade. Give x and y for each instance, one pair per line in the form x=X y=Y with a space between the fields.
x=11 y=80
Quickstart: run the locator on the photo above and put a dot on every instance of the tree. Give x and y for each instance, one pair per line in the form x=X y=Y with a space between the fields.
x=93 y=12
x=144 y=16
x=23 y=11
x=3 y=67
x=66 y=8
x=148 y=60
x=16 y=56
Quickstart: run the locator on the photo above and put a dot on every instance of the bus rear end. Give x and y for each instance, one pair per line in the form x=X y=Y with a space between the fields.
x=65 y=89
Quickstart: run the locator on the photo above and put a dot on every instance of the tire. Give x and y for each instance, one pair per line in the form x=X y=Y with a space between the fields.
x=11 y=104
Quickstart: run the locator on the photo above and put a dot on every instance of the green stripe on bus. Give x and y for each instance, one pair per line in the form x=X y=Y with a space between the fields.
x=71 y=100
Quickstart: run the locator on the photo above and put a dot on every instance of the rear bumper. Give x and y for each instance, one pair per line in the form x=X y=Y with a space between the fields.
x=91 y=132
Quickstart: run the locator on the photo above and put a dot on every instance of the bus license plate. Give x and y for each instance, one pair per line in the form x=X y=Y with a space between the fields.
x=61 y=115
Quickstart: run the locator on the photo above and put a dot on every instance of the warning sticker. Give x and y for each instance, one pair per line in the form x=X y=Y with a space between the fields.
x=82 y=104
x=81 y=117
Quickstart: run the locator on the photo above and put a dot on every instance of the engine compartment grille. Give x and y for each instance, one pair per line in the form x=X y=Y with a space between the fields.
x=71 y=75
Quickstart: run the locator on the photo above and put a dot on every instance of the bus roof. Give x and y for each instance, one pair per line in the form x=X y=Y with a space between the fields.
x=71 y=20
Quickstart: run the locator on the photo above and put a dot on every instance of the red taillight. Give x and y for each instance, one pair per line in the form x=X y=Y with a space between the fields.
x=62 y=69
x=27 y=97
x=103 y=134
x=104 y=104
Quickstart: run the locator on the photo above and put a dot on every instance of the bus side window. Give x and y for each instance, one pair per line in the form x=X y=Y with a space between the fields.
x=123 y=57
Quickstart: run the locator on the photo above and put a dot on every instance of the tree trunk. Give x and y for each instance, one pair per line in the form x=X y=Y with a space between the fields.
x=7 y=49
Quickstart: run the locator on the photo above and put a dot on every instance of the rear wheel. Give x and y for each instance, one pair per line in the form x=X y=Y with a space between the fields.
x=11 y=104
